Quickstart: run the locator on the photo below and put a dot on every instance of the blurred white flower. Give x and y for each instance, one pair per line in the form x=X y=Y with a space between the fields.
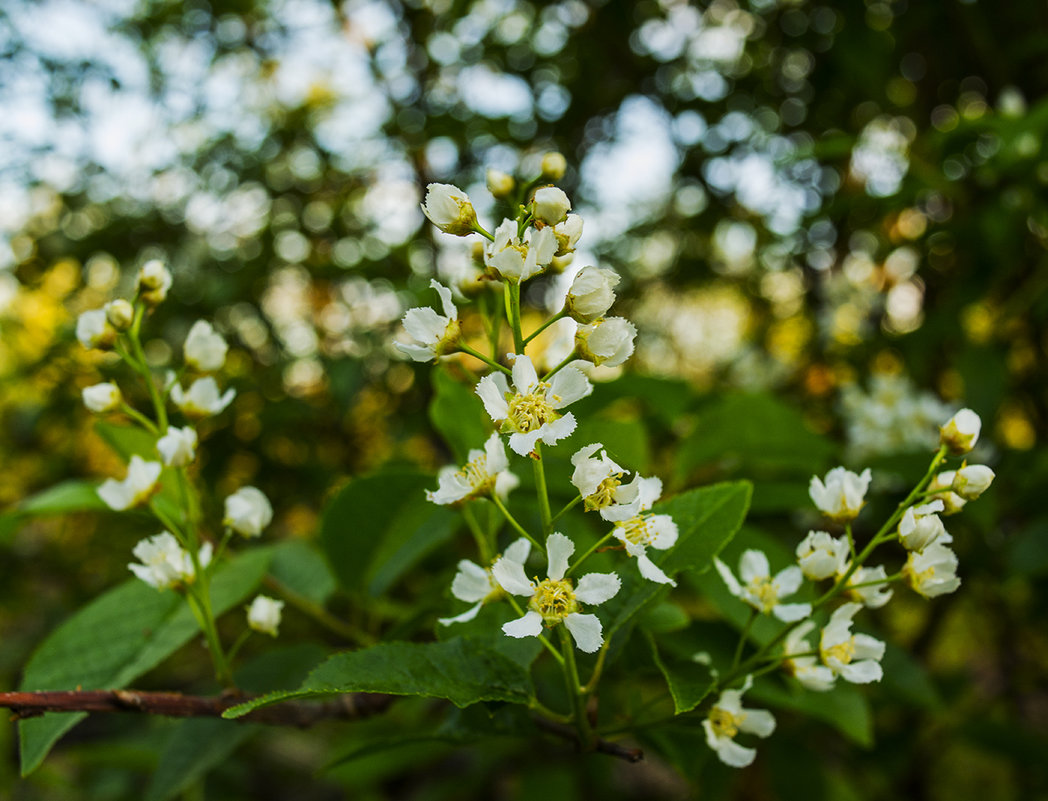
x=802 y=664
x=961 y=432
x=516 y=260
x=842 y=494
x=248 y=511
x=500 y=184
x=591 y=294
x=202 y=398
x=760 y=590
x=868 y=586
x=264 y=615
x=920 y=526
x=942 y=486
x=141 y=483
x=205 y=349
x=933 y=571
x=727 y=719
x=485 y=471
x=164 y=563
x=154 y=280
x=94 y=330
x=853 y=657
x=101 y=398
x=476 y=585
x=177 y=447
x=437 y=334
x=972 y=481
x=120 y=314
x=608 y=341
x=821 y=556
x=550 y=205
x=553 y=165
x=450 y=209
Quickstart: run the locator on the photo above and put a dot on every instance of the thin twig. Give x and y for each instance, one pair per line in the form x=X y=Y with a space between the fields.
x=601 y=746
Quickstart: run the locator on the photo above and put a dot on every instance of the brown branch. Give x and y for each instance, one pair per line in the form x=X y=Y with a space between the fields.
x=351 y=706
x=599 y=745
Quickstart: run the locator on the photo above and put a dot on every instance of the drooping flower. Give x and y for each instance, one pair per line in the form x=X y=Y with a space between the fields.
x=516 y=260
x=639 y=532
x=164 y=563
x=102 y=398
x=264 y=614
x=821 y=556
x=205 y=349
x=555 y=599
x=933 y=571
x=438 y=334
x=450 y=209
x=141 y=483
x=177 y=447
x=202 y=399
x=853 y=657
x=477 y=585
x=868 y=585
x=920 y=526
x=485 y=471
x=93 y=329
x=154 y=280
x=760 y=590
x=550 y=205
x=248 y=511
x=727 y=719
x=607 y=341
x=531 y=412
x=961 y=432
x=842 y=494
x=591 y=294
x=972 y=481
x=804 y=665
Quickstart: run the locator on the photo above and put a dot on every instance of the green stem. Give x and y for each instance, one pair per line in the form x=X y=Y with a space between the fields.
x=542 y=637
x=588 y=553
x=143 y=368
x=481 y=230
x=851 y=540
x=478 y=355
x=598 y=669
x=237 y=645
x=742 y=638
x=482 y=541
x=567 y=360
x=169 y=523
x=220 y=551
x=558 y=316
x=318 y=613
x=540 y=489
x=139 y=418
x=514 y=316
x=199 y=596
x=575 y=691
x=513 y=522
x=568 y=507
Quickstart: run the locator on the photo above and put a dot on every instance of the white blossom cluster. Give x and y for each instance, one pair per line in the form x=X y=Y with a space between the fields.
x=530 y=410
x=837 y=653
x=891 y=417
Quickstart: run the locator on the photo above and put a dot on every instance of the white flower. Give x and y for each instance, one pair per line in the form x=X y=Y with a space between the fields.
x=941 y=485
x=933 y=571
x=450 y=209
x=595 y=478
x=728 y=718
x=853 y=657
x=137 y=488
x=202 y=399
x=120 y=314
x=154 y=280
x=485 y=471
x=802 y=664
x=555 y=600
x=438 y=334
x=568 y=234
x=639 y=532
x=972 y=481
x=94 y=330
x=842 y=495
x=164 y=563
x=177 y=447
x=531 y=412
x=961 y=432
x=102 y=397
x=554 y=165
x=760 y=590
x=248 y=511
x=205 y=349
x=608 y=341
x=517 y=260
x=591 y=294
x=476 y=585
x=920 y=526
x=550 y=205
x=499 y=183
x=264 y=614
x=868 y=586
x=821 y=556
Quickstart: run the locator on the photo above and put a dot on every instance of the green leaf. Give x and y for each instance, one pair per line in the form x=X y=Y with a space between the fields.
x=195 y=748
x=369 y=511
x=458 y=670
x=300 y=567
x=417 y=530
x=118 y=637
x=689 y=682
x=707 y=518
x=458 y=415
x=69 y=496
x=128 y=441
x=664 y=617
x=757 y=432
x=845 y=707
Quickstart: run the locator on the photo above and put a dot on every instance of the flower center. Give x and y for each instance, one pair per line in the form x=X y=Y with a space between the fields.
x=604 y=495
x=554 y=599
x=636 y=530
x=449 y=340
x=763 y=592
x=843 y=652
x=725 y=724
x=476 y=474
x=531 y=411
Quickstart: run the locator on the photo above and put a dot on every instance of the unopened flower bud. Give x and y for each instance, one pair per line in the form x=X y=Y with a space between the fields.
x=120 y=314
x=102 y=398
x=205 y=349
x=499 y=183
x=264 y=615
x=568 y=234
x=554 y=165
x=972 y=481
x=591 y=293
x=941 y=485
x=961 y=432
x=559 y=264
x=248 y=511
x=608 y=341
x=94 y=330
x=154 y=280
x=551 y=205
x=450 y=209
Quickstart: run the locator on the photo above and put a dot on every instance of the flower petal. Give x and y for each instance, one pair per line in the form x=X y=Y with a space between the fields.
x=790 y=613
x=760 y=722
x=788 y=581
x=586 y=631
x=862 y=672
x=471 y=583
x=518 y=551
x=559 y=549
x=596 y=588
x=511 y=577
x=465 y=617
x=729 y=579
x=568 y=386
x=524 y=376
x=754 y=564
x=652 y=572
x=528 y=626
x=492 y=390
